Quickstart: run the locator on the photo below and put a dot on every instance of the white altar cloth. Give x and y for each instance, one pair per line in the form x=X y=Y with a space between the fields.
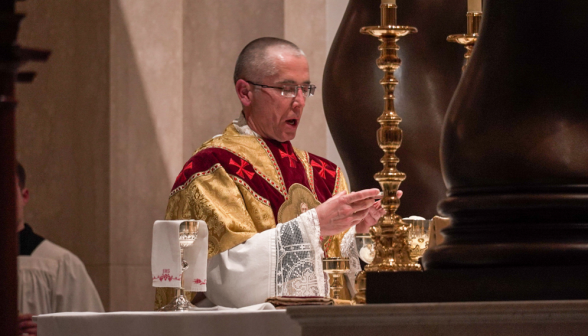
x=209 y=323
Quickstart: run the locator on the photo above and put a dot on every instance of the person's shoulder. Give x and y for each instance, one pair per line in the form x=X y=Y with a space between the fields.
x=50 y=250
x=230 y=140
x=215 y=153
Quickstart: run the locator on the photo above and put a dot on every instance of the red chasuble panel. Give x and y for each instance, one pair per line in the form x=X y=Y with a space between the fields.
x=319 y=176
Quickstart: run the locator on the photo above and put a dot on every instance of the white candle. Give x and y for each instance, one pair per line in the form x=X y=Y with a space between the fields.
x=474 y=5
x=392 y=2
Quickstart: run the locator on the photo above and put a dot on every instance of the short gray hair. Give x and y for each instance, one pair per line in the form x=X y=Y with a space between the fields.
x=253 y=62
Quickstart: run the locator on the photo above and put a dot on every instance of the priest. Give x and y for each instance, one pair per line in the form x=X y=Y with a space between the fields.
x=273 y=211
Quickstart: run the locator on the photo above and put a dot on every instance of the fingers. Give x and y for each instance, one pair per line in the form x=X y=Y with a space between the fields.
x=359 y=216
x=24 y=317
x=377 y=205
x=27 y=325
x=361 y=195
x=362 y=205
x=399 y=194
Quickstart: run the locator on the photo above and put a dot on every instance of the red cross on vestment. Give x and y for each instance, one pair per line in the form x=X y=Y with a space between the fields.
x=323 y=167
x=291 y=157
x=242 y=172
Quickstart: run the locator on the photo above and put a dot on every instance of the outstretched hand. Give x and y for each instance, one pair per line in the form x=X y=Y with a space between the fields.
x=374 y=214
x=343 y=211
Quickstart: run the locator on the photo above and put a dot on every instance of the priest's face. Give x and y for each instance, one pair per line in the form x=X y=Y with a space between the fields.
x=272 y=115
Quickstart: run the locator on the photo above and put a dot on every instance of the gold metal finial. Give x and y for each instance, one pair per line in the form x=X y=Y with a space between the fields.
x=468 y=40
x=390 y=235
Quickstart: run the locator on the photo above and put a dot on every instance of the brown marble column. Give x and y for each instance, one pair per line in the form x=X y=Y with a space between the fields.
x=353 y=97
x=515 y=142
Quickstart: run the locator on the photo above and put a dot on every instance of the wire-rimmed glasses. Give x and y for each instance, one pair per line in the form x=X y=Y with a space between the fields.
x=290 y=90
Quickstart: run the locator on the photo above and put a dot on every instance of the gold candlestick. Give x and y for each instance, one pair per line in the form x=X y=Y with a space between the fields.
x=468 y=40
x=390 y=235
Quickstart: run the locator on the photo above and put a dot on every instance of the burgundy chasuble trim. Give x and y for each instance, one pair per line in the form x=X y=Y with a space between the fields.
x=246 y=186
x=325 y=176
x=314 y=172
x=238 y=168
x=187 y=181
x=291 y=156
x=284 y=163
x=309 y=173
x=270 y=155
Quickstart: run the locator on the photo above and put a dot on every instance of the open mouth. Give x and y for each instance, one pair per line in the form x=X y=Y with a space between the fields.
x=292 y=122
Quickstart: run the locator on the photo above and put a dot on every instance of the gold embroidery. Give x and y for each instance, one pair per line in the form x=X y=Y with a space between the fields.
x=272 y=159
x=303 y=157
x=194 y=176
x=216 y=199
x=297 y=194
x=249 y=189
x=247 y=146
x=341 y=184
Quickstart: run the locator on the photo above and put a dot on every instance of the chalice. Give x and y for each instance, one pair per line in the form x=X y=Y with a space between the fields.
x=188 y=233
x=336 y=268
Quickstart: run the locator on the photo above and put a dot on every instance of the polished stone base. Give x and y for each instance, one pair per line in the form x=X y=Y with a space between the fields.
x=518 y=318
x=488 y=284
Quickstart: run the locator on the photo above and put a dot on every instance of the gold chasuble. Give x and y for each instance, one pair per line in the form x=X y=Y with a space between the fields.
x=241 y=185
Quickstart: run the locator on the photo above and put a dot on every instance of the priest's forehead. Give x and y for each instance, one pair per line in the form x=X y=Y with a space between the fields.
x=256 y=60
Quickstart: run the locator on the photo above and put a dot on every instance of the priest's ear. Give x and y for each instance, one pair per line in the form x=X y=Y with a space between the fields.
x=244 y=92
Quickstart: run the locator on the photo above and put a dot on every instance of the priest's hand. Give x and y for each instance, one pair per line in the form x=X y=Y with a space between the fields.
x=26 y=325
x=343 y=211
x=373 y=215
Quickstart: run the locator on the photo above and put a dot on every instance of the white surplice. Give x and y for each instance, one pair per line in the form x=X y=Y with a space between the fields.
x=53 y=280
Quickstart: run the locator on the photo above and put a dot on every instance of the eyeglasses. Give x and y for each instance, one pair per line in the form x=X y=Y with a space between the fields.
x=290 y=90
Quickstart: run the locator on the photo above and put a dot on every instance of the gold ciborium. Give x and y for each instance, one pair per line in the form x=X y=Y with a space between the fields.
x=188 y=233
x=336 y=269
x=390 y=235
x=468 y=40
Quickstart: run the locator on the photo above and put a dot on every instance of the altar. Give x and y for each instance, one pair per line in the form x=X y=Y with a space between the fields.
x=211 y=323
x=518 y=318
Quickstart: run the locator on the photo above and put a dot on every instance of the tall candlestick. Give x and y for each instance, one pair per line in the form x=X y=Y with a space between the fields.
x=390 y=235
x=392 y=2
x=474 y=5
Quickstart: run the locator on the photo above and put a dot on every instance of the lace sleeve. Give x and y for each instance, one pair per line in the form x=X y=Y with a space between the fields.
x=298 y=262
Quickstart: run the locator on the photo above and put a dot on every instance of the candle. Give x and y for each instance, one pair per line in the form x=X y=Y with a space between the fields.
x=391 y=2
x=474 y=5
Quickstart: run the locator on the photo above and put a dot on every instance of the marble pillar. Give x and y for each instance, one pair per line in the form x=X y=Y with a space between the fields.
x=145 y=137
